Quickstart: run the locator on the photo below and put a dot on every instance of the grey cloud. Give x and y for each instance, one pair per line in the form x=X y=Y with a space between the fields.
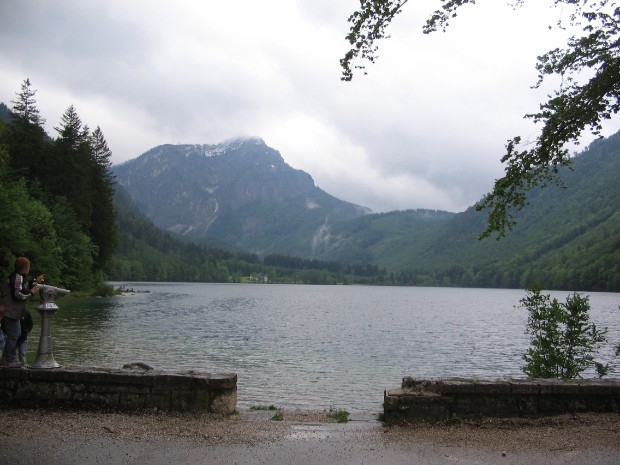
x=425 y=128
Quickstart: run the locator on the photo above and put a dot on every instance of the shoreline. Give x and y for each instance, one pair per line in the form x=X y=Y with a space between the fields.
x=87 y=437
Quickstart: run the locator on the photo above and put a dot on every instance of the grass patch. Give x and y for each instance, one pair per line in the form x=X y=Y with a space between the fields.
x=341 y=416
x=264 y=407
x=279 y=416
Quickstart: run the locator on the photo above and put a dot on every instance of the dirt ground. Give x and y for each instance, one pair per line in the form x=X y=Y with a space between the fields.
x=67 y=437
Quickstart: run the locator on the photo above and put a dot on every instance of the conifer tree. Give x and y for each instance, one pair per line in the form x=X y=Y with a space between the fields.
x=27 y=141
x=103 y=224
x=73 y=166
x=25 y=109
x=57 y=196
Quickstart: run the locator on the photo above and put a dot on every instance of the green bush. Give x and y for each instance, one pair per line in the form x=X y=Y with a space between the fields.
x=563 y=340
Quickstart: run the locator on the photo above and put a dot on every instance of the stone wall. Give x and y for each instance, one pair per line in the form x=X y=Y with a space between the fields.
x=432 y=400
x=126 y=389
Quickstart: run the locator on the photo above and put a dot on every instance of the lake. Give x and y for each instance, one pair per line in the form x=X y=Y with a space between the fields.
x=307 y=347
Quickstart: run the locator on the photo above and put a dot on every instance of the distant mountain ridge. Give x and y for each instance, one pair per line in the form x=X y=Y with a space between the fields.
x=566 y=238
x=241 y=194
x=240 y=191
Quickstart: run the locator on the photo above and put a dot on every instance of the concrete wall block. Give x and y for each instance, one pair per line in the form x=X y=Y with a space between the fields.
x=421 y=408
x=132 y=389
x=500 y=398
x=132 y=401
x=599 y=388
x=502 y=406
x=159 y=401
x=224 y=402
x=527 y=405
x=491 y=388
x=524 y=388
x=122 y=378
x=7 y=384
x=82 y=387
x=414 y=384
x=171 y=379
x=189 y=400
x=474 y=406
x=600 y=404
x=391 y=398
x=458 y=387
x=219 y=381
x=43 y=392
x=160 y=390
x=101 y=389
x=559 y=387
x=554 y=404
x=95 y=400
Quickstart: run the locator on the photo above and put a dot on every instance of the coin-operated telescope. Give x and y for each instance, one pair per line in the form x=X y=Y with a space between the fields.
x=45 y=357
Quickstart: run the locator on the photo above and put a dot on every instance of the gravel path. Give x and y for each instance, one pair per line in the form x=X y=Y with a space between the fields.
x=64 y=437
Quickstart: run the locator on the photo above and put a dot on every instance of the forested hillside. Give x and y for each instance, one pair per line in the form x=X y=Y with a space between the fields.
x=567 y=238
x=146 y=253
x=56 y=196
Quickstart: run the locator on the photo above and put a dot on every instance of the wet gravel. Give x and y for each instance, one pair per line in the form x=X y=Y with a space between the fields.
x=66 y=437
x=563 y=432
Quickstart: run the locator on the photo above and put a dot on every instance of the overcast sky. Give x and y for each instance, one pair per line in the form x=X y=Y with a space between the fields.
x=424 y=129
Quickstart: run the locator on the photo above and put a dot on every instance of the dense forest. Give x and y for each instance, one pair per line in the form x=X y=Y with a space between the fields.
x=56 y=195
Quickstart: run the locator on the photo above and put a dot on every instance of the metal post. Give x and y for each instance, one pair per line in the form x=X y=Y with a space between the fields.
x=45 y=357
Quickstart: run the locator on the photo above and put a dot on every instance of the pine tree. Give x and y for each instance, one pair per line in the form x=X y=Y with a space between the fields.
x=27 y=141
x=103 y=224
x=73 y=166
x=25 y=109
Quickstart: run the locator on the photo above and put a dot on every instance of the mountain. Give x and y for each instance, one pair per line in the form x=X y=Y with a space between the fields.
x=566 y=238
x=244 y=194
x=241 y=192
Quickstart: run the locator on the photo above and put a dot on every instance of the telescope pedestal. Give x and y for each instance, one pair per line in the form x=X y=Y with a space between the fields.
x=45 y=357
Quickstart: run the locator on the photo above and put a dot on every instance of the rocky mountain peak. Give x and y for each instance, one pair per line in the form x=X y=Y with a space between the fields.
x=240 y=190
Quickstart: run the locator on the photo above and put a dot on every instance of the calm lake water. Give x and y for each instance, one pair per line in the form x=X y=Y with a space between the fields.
x=306 y=347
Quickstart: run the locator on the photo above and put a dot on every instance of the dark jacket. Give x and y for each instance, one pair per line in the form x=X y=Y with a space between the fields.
x=26 y=323
x=20 y=292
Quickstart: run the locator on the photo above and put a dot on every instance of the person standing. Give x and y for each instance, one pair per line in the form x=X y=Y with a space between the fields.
x=21 y=290
x=26 y=325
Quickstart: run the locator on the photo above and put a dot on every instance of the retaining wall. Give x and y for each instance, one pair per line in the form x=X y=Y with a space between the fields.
x=432 y=400
x=127 y=389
